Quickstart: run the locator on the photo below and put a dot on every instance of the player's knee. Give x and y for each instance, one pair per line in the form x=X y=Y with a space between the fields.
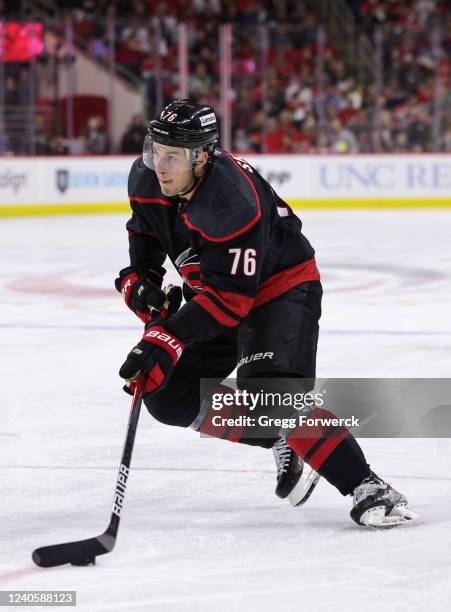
x=280 y=380
x=164 y=412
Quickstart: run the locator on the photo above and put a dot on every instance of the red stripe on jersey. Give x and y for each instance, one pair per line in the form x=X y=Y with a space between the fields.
x=132 y=233
x=190 y=273
x=150 y=200
x=237 y=303
x=282 y=281
x=247 y=179
x=144 y=316
x=189 y=268
x=223 y=238
x=215 y=312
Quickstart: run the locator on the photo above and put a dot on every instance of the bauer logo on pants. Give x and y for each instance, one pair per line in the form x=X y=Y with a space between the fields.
x=255 y=357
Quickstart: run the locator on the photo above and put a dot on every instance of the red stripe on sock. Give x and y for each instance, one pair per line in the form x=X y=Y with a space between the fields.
x=216 y=431
x=326 y=448
x=237 y=432
x=301 y=446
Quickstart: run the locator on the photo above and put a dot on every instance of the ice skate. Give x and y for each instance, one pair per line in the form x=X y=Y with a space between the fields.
x=378 y=504
x=295 y=479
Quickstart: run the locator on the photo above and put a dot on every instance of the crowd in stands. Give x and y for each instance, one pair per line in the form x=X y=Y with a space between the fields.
x=310 y=99
x=294 y=109
x=415 y=38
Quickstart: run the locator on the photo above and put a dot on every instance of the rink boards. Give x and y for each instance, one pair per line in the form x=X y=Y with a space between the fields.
x=58 y=185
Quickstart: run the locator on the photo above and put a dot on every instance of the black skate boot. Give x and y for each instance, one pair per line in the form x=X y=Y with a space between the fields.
x=295 y=479
x=378 y=504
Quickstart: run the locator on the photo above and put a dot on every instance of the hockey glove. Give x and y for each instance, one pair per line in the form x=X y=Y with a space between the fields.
x=142 y=294
x=156 y=356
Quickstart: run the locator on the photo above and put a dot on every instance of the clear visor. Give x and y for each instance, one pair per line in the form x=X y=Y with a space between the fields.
x=164 y=158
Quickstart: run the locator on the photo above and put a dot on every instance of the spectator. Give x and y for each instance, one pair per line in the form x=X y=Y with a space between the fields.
x=4 y=139
x=401 y=144
x=241 y=141
x=41 y=138
x=342 y=140
x=200 y=82
x=447 y=140
x=419 y=131
x=57 y=145
x=12 y=94
x=311 y=100
x=94 y=136
x=132 y=140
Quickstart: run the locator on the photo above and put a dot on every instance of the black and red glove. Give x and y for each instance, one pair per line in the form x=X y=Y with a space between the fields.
x=142 y=295
x=156 y=356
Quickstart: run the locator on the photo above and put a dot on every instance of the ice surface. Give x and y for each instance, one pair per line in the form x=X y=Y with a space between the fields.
x=202 y=529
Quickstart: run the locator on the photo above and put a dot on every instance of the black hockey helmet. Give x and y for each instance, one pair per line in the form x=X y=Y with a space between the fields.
x=183 y=123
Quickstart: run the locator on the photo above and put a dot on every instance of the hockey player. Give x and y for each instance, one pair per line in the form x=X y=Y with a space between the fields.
x=252 y=299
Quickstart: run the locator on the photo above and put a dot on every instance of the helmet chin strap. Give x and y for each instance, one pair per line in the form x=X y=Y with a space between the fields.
x=192 y=184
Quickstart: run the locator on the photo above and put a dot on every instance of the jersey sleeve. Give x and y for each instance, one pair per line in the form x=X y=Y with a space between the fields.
x=146 y=252
x=229 y=275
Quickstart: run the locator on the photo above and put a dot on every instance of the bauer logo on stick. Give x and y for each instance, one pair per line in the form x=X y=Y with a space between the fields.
x=120 y=489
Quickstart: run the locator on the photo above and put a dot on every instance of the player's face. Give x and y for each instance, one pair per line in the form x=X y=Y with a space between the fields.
x=173 y=170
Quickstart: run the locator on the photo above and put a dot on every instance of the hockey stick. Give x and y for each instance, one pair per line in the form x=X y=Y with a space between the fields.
x=84 y=552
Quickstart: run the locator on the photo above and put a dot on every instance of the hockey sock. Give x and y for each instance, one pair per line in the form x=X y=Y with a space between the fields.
x=331 y=451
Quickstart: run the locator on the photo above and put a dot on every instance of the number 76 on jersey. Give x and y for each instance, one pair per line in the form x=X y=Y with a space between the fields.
x=244 y=260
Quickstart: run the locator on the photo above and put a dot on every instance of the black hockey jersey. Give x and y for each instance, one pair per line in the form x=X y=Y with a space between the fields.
x=236 y=244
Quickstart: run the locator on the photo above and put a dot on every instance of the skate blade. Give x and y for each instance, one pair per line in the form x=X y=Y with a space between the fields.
x=304 y=487
x=377 y=517
x=401 y=510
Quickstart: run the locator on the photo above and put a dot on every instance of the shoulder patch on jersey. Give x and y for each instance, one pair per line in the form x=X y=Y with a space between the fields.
x=226 y=205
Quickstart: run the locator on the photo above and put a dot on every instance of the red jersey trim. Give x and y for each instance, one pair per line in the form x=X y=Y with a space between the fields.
x=223 y=238
x=151 y=234
x=235 y=302
x=238 y=232
x=150 y=201
x=218 y=314
x=282 y=281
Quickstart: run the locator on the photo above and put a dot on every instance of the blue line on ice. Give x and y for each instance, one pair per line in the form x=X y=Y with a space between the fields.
x=356 y=332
